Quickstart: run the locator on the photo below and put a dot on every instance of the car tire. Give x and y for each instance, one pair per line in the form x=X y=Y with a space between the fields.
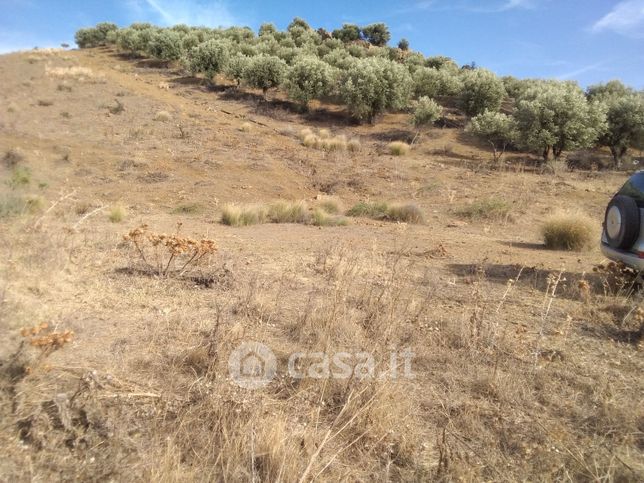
x=622 y=222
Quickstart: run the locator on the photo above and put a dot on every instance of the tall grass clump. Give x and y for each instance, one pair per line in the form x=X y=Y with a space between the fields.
x=398 y=148
x=287 y=212
x=380 y=210
x=493 y=209
x=242 y=216
x=568 y=231
x=117 y=214
x=320 y=217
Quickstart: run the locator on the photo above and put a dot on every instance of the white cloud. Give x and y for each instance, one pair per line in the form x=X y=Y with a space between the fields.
x=626 y=18
x=582 y=70
x=193 y=12
x=486 y=6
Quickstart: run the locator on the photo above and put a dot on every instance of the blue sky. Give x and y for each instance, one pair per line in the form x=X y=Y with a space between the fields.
x=585 y=40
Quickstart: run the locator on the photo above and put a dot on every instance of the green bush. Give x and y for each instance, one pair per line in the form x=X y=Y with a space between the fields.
x=427 y=112
x=309 y=78
x=376 y=34
x=265 y=72
x=482 y=91
x=210 y=57
x=165 y=45
x=493 y=209
x=496 y=129
x=374 y=85
x=236 y=68
x=432 y=82
x=348 y=33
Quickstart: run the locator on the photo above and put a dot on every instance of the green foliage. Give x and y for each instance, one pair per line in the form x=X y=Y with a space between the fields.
x=625 y=124
x=496 y=129
x=376 y=34
x=371 y=86
x=556 y=116
x=265 y=72
x=165 y=45
x=441 y=62
x=236 y=68
x=432 y=82
x=609 y=90
x=308 y=79
x=403 y=44
x=427 y=112
x=482 y=90
x=492 y=209
x=87 y=38
x=209 y=57
x=267 y=29
x=348 y=33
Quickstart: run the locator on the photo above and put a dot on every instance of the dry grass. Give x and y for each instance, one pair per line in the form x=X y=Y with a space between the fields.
x=246 y=127
x=323 y=140
x=379 y=210
x=163 y=116
x=491 y=209
x=13 y=157
x=233 y=215
x=320 y=217
x=398 y=148
x=354 y=145
x=117 y=214
x=77 y=73
x=287 y=212
x=568 y=231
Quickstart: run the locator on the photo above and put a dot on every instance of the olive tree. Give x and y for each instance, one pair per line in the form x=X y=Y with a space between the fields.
x=376 y=34
x=403 y=44
x=625 y=125
x=265 y=72
x=165 y=45
x=236 y=67
x=496 y=129
x=482 y=90
x=555 y=117
x=209 y=57
x=308 y=79
x=348 y=33
x=371 y=86
x=610 y=89
x=436 y=82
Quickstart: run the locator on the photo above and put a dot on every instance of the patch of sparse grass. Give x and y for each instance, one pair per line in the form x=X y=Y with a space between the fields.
x=13 y=157
x=493 y=209
x=14 y=205
x=80 y=74
x=354 y=145
x=65 y=115
x=380 y=210
x=568 y=231
x=64 y=87
x=12 y=107
x=322 y=218
x=338 y=143
x=370 y=209
x=398 y=148
x=324 y=133
x=118 y=109
x=311 y=141
x=188 y=209
x=287 y=212
x=304 y=133
x=163 y=116
x=20 y=176
x=117 y=214
x=407 y=213
x=330 y=205
x=45 y=102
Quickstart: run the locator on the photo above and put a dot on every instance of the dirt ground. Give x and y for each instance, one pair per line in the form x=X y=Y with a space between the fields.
x=527 y=362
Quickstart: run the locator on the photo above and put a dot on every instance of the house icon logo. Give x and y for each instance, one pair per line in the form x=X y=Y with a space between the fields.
x=252 y=365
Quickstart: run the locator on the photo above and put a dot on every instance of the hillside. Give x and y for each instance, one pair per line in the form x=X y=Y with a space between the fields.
x=527 y=361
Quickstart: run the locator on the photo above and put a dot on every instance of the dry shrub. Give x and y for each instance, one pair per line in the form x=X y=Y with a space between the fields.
x=568 y=231
x=13 y=156
x=117 y=214
x=379 y=210
x=246 y=127
x=324 y=133
x=311 y=141
x=329 y=204
x=44 y=338
x=493 y=209
x=287 y=212
x=163 y=116
x=398 y=148
x=304 y=133
x=354 y=145
x=232 y=215
x=323 y=218
x=408 y=213
x=167 y=255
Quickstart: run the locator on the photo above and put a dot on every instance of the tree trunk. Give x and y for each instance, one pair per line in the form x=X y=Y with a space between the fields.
x=546 y=154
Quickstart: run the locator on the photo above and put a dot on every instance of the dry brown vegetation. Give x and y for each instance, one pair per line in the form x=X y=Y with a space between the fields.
x=114 y=352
